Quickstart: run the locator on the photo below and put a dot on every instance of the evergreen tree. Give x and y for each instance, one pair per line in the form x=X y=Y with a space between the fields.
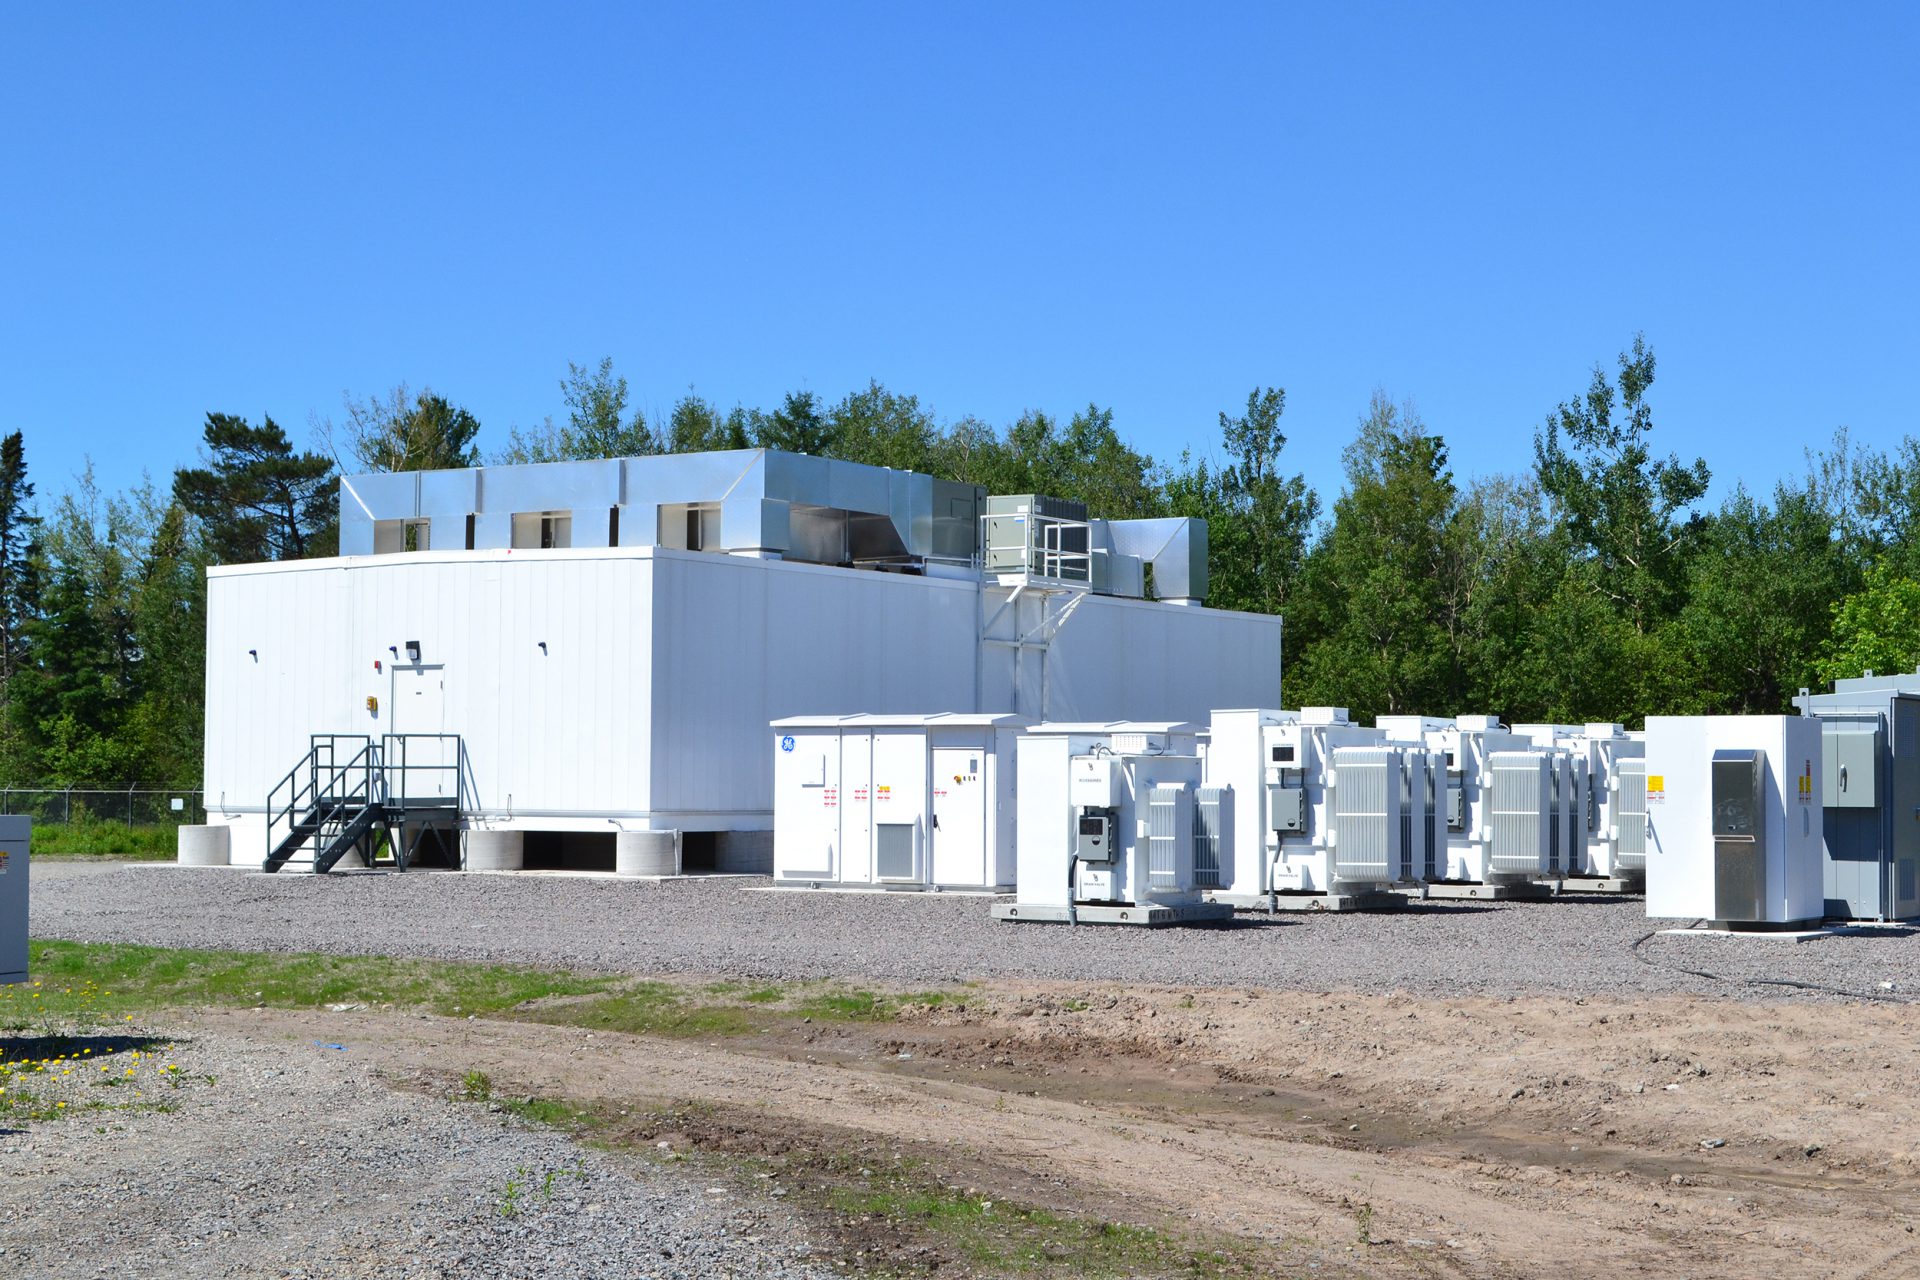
x=19 y=554
x=256 y=499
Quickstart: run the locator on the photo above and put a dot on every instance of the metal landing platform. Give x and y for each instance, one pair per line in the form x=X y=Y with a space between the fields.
x=1152 y=915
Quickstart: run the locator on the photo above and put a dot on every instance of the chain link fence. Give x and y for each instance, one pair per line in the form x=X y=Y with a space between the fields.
x=126 y=806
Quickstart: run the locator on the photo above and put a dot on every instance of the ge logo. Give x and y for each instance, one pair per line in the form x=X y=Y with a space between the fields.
x=786 y=743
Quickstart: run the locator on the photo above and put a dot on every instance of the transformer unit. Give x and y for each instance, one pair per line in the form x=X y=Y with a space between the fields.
x=1870 y=795
x=1735 y=824
x=1116 y=827
x=1608 y=798
x=1322 y=805
x=1501 y=799
x=896 y=802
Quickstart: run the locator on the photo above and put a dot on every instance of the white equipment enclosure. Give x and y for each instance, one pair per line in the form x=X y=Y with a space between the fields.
x=1321 y=805
x=15 y=840
x=1115 y=826
x=1735 y=819
x=895 y=802
x=1608 y=797
x=1499 y=797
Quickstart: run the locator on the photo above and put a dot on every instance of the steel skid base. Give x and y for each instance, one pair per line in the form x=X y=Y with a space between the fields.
x=1519 y=891
x=1370 y=900
x=1604 y=884
x=1152 y=915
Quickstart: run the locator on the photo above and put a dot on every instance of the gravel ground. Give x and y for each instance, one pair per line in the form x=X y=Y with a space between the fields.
x=297 y=1162
x=1580 y=945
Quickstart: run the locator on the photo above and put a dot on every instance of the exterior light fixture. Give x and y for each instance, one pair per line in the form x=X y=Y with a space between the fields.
x=413 y=651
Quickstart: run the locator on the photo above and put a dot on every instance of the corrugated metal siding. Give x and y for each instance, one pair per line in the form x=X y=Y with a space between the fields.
x=1364 y=824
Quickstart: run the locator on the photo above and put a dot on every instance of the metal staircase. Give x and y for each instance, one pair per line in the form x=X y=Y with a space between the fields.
x=350 y=789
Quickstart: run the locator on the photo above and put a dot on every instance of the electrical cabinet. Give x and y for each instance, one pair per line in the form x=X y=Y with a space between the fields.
x=1287 y=808
x=904 y=802
x=15 y=838
x=1852 y=760
x=1733 y=824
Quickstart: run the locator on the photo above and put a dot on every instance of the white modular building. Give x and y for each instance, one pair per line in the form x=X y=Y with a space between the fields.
x=535 y=660
x=1735 y=819
x=894 y=802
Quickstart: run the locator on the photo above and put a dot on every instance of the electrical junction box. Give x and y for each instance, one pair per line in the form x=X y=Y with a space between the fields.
x=1093 y=839
x=15 y=837
x=1094 y=782
x=1287 y=808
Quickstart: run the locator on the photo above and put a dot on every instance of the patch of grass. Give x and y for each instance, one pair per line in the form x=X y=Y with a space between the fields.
x=864 y=1006
x=996 y=1237
x=651 y=1009
x=85 y=979
x=86 y=837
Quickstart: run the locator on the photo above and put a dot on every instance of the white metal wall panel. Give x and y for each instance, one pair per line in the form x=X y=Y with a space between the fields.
x=739 y=642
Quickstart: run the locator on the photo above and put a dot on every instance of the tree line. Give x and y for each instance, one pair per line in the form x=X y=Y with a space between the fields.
x=1592 y=585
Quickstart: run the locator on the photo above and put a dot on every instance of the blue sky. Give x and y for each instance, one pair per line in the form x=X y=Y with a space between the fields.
x=257 y=208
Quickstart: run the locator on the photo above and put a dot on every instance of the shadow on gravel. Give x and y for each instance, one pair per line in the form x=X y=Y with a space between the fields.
x=26 y=1048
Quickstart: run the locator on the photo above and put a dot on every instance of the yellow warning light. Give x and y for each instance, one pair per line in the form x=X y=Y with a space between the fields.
x=373 y=705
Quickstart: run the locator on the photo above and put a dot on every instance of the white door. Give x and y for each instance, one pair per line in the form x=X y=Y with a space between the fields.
x=959 y=816
x=899 y=807
x=806 y=812
x=419 y=699
x=856 y=808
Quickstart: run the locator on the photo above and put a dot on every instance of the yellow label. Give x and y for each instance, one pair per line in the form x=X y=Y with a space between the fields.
x=1656 y=782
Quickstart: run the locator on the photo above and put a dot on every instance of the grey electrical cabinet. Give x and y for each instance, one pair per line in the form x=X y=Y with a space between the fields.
x=1851 y=769
x=1739 y=834
x=15 y=835
x=1870 y=796
x=1286 y=809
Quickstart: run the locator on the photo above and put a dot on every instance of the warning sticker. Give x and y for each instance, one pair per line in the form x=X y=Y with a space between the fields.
x=1656 y=788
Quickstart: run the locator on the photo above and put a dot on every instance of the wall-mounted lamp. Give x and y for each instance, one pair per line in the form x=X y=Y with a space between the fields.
x=254 y=654
x=394 y=649
x=376 y=666
x=543 y=648
x=413 y=651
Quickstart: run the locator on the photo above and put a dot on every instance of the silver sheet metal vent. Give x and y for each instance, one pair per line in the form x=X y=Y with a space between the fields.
x=1631 y=816
x=1520 y=813
x=1212 y=819
x=1366 y=827
x=1170 y=839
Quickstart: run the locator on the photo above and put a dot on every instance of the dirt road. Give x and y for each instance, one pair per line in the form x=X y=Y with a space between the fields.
x=1480 y=1137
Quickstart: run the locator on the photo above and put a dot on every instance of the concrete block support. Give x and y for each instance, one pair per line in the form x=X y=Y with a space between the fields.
x=493 y=851
x=206 y=846
x=744 y=852
x=647 y=853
